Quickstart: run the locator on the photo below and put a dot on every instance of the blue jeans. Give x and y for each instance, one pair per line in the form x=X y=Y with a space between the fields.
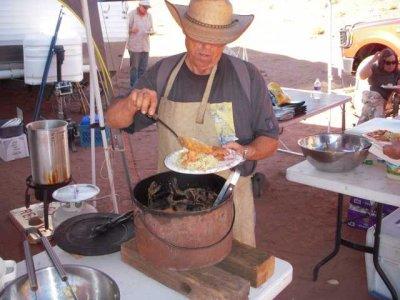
x=138 y=62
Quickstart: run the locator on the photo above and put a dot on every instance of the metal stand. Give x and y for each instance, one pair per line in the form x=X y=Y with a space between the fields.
x=373 y=250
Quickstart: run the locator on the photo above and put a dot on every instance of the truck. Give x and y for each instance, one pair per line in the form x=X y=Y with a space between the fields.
x=362 y=40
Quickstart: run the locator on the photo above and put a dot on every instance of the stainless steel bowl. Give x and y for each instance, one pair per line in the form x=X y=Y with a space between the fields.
x=335 y=152
x=86 y=283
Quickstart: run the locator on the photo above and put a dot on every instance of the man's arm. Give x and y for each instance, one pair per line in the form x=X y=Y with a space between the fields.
x=262 y=147
x=120 y=114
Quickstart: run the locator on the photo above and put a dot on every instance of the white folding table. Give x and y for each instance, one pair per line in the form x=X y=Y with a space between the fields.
x=135 y=285
x=367 y=182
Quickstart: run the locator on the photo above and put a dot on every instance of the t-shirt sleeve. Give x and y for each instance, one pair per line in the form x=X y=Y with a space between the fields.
x=264 y=121
x=148 y=81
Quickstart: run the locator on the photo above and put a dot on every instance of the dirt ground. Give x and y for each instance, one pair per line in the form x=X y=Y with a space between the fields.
x=294 y=222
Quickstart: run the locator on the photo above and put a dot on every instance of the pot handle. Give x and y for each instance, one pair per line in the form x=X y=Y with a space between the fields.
x=54 y=258
x=141 y=215
x=30 y=266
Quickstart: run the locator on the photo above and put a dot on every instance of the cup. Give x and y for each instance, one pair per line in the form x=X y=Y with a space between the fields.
x=8 y=271
x=392 y=171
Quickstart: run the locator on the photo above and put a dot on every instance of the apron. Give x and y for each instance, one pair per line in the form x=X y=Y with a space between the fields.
x=194 y=119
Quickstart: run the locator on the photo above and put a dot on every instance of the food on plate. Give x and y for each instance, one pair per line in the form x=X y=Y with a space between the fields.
x=392 y=150
x=279 y=95
x=200 y=156
x=192 y=160
x=384 y=135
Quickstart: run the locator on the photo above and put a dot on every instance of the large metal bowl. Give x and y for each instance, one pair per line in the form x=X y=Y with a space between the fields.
x=85 y=282
x=335 y=152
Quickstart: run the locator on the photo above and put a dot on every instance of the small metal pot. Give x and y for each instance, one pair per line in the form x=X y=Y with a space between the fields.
x=48 y=146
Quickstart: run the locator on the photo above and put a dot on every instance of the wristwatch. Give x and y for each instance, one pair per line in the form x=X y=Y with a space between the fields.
x=245 y=152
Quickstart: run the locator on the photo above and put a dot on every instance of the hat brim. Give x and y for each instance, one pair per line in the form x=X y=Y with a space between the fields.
x=208 y=34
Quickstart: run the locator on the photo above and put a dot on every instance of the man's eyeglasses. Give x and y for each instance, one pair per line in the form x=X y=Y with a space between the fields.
x=390 y=62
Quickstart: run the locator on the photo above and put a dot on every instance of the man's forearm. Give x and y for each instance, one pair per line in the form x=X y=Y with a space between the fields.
x=120 y=114
x=262 y=147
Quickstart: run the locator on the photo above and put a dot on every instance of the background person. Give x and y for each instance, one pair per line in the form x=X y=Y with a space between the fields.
x=204 y=98
x=140 y=27
x=382 y=69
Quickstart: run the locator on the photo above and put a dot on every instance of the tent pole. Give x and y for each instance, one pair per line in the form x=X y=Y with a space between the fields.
x=92 y=133
x=95 y=79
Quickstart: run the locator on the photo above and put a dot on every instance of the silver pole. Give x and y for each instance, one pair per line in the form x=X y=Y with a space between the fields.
x=95 y=79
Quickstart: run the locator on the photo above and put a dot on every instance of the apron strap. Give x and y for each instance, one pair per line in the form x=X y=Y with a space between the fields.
x=203 y=105
x=172 y=77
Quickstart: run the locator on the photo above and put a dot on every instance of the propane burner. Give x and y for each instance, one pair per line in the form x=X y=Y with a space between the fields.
x=44 y=194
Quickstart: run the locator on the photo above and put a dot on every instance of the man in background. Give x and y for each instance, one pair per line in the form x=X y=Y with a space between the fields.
x=140 y=27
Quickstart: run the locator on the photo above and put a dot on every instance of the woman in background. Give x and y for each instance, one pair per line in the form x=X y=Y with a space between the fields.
x=382 y=69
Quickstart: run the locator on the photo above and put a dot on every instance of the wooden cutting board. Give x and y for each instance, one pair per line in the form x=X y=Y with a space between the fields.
x=230 y=279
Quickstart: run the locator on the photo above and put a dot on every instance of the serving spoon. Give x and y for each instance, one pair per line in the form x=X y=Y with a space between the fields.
x=187 y=142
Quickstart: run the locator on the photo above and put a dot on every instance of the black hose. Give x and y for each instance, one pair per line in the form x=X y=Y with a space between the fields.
x=39 y=100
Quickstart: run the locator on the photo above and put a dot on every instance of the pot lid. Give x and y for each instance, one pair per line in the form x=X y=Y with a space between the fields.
x=75 y=235
x=76 y=192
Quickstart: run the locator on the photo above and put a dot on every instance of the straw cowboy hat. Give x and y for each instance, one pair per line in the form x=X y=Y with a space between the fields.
x=210 y=21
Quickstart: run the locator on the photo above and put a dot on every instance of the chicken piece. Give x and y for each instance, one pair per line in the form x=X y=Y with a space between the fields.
x=195 y=145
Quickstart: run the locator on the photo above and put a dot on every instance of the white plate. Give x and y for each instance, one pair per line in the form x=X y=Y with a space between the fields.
x=377 y=151
x=172 y=163
x=391 y=87
x=76 y=193
x=375 y=141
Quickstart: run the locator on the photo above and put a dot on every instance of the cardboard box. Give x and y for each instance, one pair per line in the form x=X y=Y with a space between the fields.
x=14 y=148
x=361 y=217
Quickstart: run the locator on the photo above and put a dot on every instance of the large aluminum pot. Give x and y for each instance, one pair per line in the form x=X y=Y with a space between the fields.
x=48 y=145
x=85 y=282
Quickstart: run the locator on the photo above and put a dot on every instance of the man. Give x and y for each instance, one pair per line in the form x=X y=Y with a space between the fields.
x=140 y=27
x=204 y=98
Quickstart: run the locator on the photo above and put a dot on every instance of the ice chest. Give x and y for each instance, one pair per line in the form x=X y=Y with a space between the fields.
x=13 y=148
x=389 y=257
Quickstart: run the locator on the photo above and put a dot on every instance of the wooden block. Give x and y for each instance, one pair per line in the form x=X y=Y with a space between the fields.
x=249 y=263
x=206 y=283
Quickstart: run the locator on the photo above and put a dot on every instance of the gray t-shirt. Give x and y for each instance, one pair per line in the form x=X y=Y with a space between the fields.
x=252 y=117
x=380 y=77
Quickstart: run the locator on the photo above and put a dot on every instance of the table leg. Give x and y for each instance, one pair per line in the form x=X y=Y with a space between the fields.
x=338 y=238
x=46 y=211
x=343 y=117
x=375 y=252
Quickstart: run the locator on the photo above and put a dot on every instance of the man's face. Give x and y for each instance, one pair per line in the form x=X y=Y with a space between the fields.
x=143 y=9
x=203 y=55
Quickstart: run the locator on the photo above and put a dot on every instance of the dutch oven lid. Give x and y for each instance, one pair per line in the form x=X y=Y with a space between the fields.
x=76 y=193
x=75 y=235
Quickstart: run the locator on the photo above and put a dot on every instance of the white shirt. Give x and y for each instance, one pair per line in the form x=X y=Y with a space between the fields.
x=139 y=41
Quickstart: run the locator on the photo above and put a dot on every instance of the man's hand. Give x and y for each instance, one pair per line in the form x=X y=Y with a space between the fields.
x=262 y=147
x=143 y=100
x=120 y=114
x=134 y=30
x=393 y=150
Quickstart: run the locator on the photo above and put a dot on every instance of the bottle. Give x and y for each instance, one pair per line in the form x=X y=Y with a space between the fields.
x=317 y=88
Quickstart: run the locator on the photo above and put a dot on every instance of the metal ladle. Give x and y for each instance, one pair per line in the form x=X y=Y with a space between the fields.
x=187 y=142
